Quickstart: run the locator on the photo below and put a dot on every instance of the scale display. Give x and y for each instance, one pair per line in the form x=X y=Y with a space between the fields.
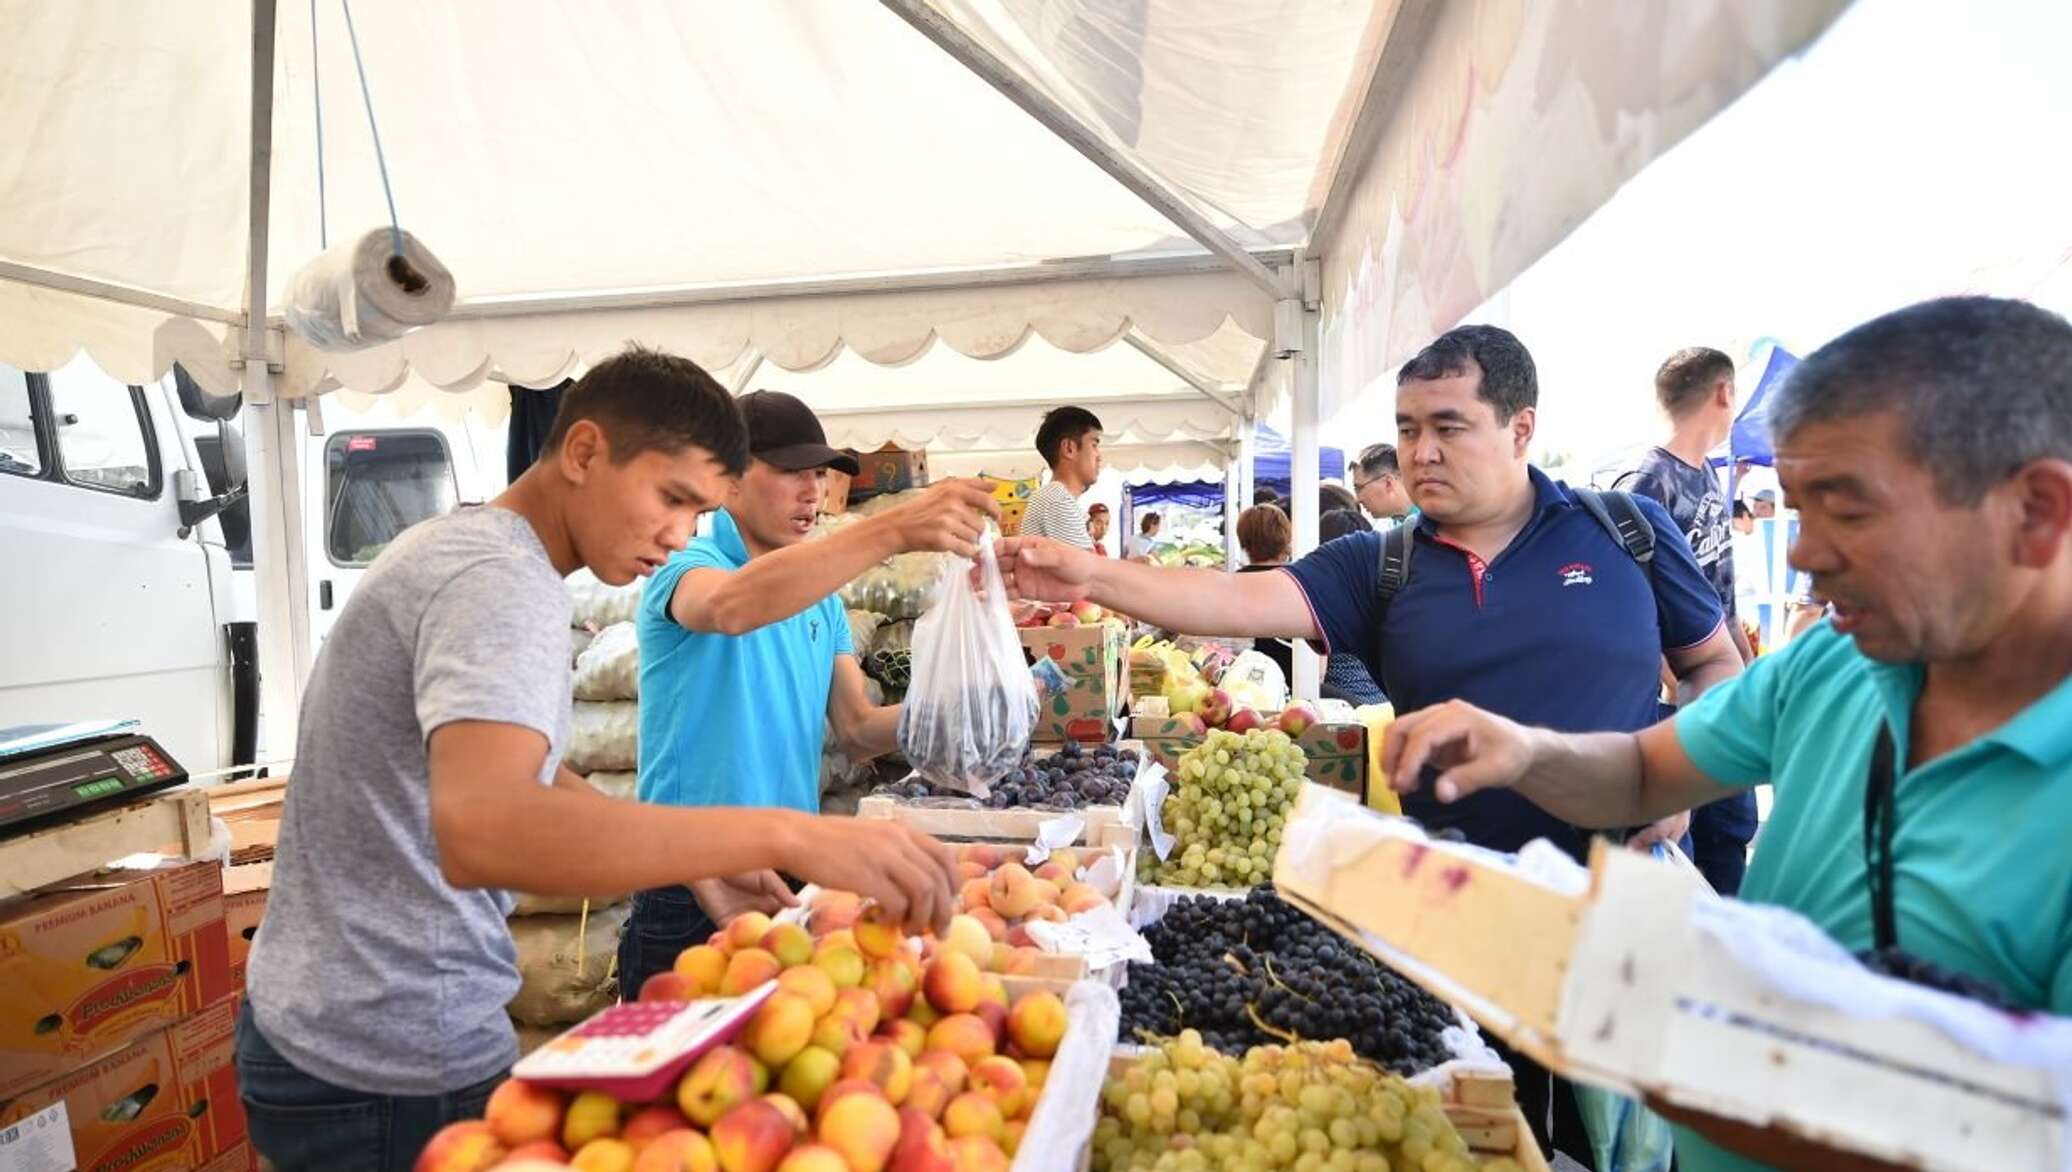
x=52 y=782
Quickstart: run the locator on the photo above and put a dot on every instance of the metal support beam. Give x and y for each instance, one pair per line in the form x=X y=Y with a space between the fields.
x=1061 y=122
x=120 y=294
x=1401 y=50
x=746 y=374
x=1304 y=471
x=1156 y=353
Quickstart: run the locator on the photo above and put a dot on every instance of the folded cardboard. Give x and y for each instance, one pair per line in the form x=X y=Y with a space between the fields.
x=889 y=469
x=168 y=1100
x=1093 y=661
x=1334 y=754
x=98 y=961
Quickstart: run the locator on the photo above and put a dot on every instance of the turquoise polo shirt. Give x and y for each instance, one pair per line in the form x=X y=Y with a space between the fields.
x=733 y=720
x=1982 y=856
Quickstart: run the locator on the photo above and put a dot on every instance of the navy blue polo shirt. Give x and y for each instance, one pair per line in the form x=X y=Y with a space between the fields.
x=1563 y=630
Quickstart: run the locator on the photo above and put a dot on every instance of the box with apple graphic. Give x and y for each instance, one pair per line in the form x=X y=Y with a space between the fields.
x=1335 y=753
x=1091 y=659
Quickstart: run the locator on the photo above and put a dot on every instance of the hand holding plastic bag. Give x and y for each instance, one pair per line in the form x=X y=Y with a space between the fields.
x=971 y=705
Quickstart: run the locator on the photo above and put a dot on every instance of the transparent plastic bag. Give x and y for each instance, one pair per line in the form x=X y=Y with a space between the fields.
x=971 y=704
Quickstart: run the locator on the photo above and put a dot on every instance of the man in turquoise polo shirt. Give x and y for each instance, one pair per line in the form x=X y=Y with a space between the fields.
x=1929 y=453
x=746 y=660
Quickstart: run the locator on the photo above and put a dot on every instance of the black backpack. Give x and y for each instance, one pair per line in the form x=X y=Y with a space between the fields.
x=1615 y=512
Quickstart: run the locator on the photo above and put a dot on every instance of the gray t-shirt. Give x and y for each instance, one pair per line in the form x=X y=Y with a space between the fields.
x=370 y=971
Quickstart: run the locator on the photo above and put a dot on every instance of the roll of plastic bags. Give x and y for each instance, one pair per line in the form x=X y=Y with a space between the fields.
x=360 y=294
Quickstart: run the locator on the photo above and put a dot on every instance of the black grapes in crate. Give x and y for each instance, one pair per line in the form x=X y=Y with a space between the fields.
x=1071 y=779
x=1257 y=971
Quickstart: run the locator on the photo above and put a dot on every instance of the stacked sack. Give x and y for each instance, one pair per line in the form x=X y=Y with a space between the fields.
x=568 y=946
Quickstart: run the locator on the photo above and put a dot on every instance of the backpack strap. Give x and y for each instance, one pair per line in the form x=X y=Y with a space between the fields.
x=1617 y=513
x=1396 y=547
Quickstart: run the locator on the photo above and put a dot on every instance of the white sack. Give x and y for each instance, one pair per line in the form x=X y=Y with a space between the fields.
x=603 y=736
x=609 y=669
x=349 y=298
x=599 y=606
x=615 y=783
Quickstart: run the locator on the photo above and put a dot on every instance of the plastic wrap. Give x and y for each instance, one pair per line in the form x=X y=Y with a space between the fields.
x=603 y=736
x=610 y=668
x=357 y=295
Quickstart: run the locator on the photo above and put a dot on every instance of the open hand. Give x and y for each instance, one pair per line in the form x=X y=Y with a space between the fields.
x=1472 y=749
x=1044 y=570
x=735 y=895
x=945 y=519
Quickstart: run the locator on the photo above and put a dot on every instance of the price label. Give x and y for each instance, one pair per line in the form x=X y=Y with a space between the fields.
x=40 y=1143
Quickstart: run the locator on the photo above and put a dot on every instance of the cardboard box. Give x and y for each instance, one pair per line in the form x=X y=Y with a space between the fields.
x=1093 y=660
x=241 y=914
x=889 y=469
x=835 y=501
x=99 y=961
x=1335 y=754
x=167 y=1101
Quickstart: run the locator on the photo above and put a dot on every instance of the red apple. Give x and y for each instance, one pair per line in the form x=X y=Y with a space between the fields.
x=1296 y=719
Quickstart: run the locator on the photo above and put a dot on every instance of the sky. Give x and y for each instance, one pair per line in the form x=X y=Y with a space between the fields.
x=1917 y=149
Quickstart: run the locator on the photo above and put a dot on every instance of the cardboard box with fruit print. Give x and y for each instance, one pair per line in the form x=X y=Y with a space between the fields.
x=1088 y=648
x=1335 y=754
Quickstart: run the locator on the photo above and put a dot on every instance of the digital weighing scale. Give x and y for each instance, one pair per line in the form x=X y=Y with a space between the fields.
x=52 y=771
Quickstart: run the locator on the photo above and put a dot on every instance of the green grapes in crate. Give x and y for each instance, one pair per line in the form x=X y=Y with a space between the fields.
x=1230 y=797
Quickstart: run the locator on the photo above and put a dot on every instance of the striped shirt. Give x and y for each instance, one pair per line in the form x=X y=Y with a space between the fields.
x=1054 y=512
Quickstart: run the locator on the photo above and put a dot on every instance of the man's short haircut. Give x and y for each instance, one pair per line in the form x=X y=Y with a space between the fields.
x=1688 y=376
x=1982 y=386
x=1379 y=460
x=1145 y=523
x=1741 y=509
x=1510 y=382
x=1061 y=424
x=1339 y=522
x=1264 y=533
x=1335 y=496
x=647 y=401
x=1265 y=496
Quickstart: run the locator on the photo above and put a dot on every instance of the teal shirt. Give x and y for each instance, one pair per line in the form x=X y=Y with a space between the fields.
x=1982 y=875
x=733 y=720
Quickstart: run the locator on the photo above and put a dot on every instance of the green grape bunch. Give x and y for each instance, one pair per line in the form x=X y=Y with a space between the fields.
x=1229 y=800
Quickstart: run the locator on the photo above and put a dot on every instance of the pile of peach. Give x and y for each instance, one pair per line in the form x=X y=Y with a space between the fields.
x=865 y=1059
x=999 y=898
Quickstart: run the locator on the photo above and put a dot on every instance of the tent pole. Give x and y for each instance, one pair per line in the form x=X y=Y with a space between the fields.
x=1304 y=473
x=747 y=373
x=274 y=459
x=1155 y=353
x=1077 y=135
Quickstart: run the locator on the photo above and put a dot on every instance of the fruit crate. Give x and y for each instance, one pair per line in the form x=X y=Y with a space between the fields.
x=1615 y=983
x=175 y=822
x=1105 y=825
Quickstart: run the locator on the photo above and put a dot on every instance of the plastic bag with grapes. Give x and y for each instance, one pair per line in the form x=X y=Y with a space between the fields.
x=971 y=703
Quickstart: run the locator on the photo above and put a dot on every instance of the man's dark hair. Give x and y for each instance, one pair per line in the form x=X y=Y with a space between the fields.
x=1145 y=522
x=1981 y=385
x=1061 y=424
x=1510 y=383
x=1741 y=510
x=1339 y=522
x=648 y=401
x=1264 y=533
x=1335 y=496
x=1688 y=376
x=1378 y=460
x=1265 y=496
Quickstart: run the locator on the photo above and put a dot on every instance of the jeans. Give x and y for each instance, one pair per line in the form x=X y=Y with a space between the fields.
x=1720 y=834
x=301 y=1123
x=664 y=922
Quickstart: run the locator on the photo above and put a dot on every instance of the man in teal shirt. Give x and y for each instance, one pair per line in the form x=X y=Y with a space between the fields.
x=1929 y=454
x=746 y=659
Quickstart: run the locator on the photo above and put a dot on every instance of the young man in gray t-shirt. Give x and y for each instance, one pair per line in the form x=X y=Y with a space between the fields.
x=427 y=780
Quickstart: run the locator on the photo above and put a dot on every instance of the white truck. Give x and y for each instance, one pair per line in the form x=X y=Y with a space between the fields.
x=126 y=588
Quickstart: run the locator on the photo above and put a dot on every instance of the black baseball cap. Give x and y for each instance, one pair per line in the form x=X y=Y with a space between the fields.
x=784 y=433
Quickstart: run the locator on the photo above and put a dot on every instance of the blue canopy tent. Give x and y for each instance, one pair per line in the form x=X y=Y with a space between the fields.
x=1271 y=456
x=1750 y=438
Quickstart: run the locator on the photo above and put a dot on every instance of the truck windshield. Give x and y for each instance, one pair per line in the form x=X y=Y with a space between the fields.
x=379 y=484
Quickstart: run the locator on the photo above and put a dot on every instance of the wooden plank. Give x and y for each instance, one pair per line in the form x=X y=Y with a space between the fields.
x=1019 y=825
x=41 y=857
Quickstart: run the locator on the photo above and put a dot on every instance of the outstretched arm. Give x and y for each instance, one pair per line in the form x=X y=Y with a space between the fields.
x=1199 y=602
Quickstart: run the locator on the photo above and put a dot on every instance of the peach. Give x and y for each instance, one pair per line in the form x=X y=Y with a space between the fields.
x=746 y=930
x=877 y=937
x=1067 y=858
x=1079 y=898
x=747 y=969
x=814 y=1158
x=705 y=966
x=781 y=1027
x=841 y=937
x=677 y=1151
x=973 y=1113
x=967 y=870
x=969 y=935
x=996 y=928
x=1052 y=873
x=952 y=983
x=604 y=1155
x=461 y=1147
x=789 y=943
x=984 y=854
x=1012 y=891
x=927 y=1092
x=591 y=1115
x=722 y=1077
x=994 y=1015
x=860 y=1006
x=1048 y=911
x=949 y=1068
x=792 y=1111
x=894 y=984
x=809 y=1075
x=922 y=1014
x=539 y=1149
x=1011 y=1139
x=833 y=911
x=752 y=1137
x=922 y=1146
x=964 y=1034
x=1037 y=1071
x=834 y=1094
x=863 y=1128
x=1017 y=962
x=668 y=985
x=836 y=1033
x=1001 y=1080
x=1018 y=935
x=884 y=1063
x=815 y=985
x=1036 y=1024
x=520 y=1113
x=906 y=1034
x=651 y=1121
x=977 y=1153
x=992 y=989
x=974 y=894
x=1047 y=891
x=842 y=963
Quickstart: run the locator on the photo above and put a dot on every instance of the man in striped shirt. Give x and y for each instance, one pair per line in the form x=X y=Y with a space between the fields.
x=1069 y=440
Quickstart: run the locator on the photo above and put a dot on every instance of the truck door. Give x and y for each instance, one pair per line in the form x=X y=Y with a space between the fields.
x=374 y=483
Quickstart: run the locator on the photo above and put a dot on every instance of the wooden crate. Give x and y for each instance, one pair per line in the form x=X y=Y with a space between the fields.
x=1105 y=825
x=176 y=820
x=1617 y=987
